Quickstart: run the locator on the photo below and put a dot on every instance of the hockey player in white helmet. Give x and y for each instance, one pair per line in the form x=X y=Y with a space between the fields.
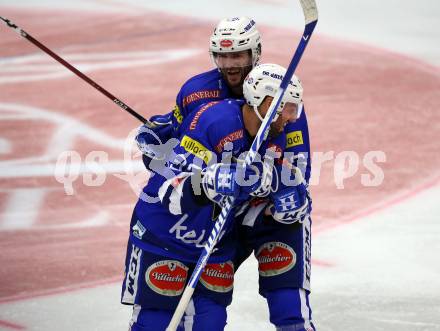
x=235 y=48
x=166 y=235
x=277 y=230
x=234 y=57
x=264 y=80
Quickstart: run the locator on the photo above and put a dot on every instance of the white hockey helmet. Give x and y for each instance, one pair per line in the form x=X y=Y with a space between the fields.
x=235 y=35
x=264 y=80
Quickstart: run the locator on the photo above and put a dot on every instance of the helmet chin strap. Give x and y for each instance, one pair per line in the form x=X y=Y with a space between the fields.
x=300 y=109
x=257 y=112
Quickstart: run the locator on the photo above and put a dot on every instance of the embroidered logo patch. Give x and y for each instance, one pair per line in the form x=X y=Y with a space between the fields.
x=138 y=230
x=167 y=277
x=275 y=258
x=218 y=277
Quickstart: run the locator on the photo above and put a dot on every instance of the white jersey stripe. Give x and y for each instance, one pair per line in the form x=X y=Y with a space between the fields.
x=305 y=309
x=131 y=279
x=306 y=238
x=252 y=214
x=135 y=314
x=175 y=198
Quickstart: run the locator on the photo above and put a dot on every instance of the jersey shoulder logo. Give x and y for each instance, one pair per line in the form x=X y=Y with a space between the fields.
x=196 y=148
x=199 y=113
x=199 y=95
x=229 y=138
x=294 y=138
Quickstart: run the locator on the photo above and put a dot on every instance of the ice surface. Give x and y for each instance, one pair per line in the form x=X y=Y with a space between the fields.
x=381 y=272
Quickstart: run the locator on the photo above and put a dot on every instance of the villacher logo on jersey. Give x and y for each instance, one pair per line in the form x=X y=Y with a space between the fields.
x=218 y=277
x=275 y=258
x=167 y=277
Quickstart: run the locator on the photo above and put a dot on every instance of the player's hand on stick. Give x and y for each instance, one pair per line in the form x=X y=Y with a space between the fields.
x=151 y=140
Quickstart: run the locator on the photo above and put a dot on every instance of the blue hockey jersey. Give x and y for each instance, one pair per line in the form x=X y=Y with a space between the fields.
x=169 y=218
x=297 y=149
x=210 y=86
x=198 y=90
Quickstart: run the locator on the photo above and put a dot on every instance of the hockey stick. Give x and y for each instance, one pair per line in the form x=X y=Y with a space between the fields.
x=121 y=104
x=311 y=18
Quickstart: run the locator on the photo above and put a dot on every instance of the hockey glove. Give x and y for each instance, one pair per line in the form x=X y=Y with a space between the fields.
x=151 y=141
x=269 y=179
x=291 y=203
x=220 y=180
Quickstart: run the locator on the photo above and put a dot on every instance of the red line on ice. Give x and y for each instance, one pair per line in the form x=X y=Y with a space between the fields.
x=11 y=326
x=60 y=290
x=333 y=101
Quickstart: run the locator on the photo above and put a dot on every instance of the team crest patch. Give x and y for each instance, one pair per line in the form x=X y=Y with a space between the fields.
x=138 y=230
x=275 y=258
x=167 y=277
x=218 y=277
x=278 y=151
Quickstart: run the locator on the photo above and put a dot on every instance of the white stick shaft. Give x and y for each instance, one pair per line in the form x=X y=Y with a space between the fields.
x=180 y=310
